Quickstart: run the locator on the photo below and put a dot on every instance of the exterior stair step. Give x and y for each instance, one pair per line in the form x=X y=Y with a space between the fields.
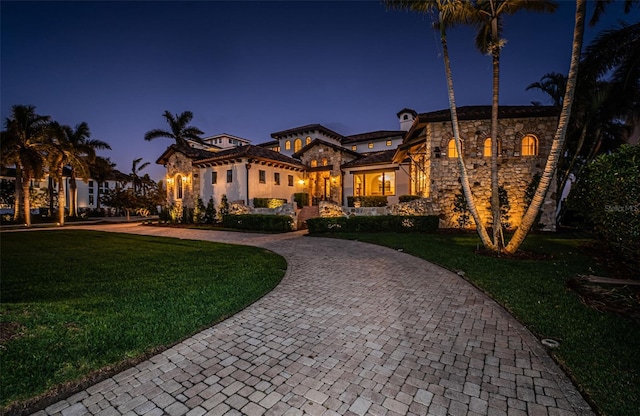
x=306 y=213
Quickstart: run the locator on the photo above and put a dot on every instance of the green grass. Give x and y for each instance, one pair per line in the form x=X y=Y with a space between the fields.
x=600 y=350
x=84 y=300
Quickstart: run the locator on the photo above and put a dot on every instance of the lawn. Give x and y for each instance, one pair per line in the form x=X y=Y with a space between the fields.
x=76 y=302
x=600 y=350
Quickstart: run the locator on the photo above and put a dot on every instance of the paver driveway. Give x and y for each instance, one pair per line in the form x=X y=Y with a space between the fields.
x=353 y=329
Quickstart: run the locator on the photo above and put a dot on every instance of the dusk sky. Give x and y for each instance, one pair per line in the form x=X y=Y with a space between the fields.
x=253 y=68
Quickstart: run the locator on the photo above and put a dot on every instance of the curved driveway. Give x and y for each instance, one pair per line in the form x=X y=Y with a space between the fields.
x=352 y=329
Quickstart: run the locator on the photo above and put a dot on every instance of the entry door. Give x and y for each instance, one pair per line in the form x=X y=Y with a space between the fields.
x=327 y=189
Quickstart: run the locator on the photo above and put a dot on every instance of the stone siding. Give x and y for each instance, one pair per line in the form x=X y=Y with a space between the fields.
x=335 y=159
x=179 y=164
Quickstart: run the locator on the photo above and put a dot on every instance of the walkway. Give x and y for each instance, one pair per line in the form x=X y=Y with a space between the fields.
x=353 y=329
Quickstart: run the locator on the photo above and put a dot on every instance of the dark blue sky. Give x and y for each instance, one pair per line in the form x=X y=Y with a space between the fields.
x=254 y=68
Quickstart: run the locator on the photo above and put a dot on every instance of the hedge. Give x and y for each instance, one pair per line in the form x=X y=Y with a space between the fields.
x=301 y=198
x=268 y=202
x=258 y=222
x=367 y=201
x=408 y=198
x=381 y=223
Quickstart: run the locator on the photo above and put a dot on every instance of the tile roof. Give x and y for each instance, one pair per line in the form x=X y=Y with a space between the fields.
x=374 y=135
x=308 y=128
x=190 y=152
x=331 y=145
x=407 y=110
x=249 y=151
x=373 y=158
x=483 y=112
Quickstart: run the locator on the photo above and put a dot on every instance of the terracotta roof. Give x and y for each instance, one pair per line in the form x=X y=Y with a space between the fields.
x=306 y=129
x=190 y=152
x=374 y=135
x=373 y=158
x=407 y=110
x=331 y=145
x=483 y=112
x=250 y=151
x=270 y=143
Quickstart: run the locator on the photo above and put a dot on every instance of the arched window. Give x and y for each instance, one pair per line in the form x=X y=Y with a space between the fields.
x=178 y=186
x=325 y=161
x=405 y=117
x=314 y=163
x=307 y=140
x=297 y=145
x=287 y=145
x=529 y=145
x=451 y=149
x=487 y=147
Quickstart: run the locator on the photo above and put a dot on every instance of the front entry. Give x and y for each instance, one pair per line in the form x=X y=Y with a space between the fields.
x=327 y=189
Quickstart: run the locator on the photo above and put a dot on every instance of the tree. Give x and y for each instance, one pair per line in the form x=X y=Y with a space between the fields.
x=553 y=84
x=488 y=20
x=450 y=13
x=179 y=130
x=136 y=180
x=101 y=170
x=124 y=199
x=80 y=143
x=24 y=144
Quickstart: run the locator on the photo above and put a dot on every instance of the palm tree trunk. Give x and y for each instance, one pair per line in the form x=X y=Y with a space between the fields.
x=558 y=140
x=17 y=200
x=495 y=187
x=73 y=192
x=61 y=198
x=26 y=203
x=464 y=178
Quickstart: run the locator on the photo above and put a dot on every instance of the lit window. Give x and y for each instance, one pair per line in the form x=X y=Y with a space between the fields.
x=487 y=147
x=290 y=180
x=229 y=176
x=325 y=162
x=388 y=142
x=276 y=149
x=451 y=150
x=370 y=145
x=297 y=145
x=178 y=187
x=529 y=145
x=354 y=147
x=262 y=176
x=287 y=145
x=314 y=163
x=276 y=178
x=307 y=141
x=214 y=178
x=374 y=184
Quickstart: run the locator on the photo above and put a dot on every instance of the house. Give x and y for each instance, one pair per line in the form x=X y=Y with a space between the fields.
x=417 y=159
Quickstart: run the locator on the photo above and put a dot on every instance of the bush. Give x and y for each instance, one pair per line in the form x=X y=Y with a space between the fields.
x=210 y=212
x=367 y=201
x=257 y=222
x=268 y=202
x=408 y=198
x=199 y=212
x=607 y=195
x=382 y=223
x=301 y=199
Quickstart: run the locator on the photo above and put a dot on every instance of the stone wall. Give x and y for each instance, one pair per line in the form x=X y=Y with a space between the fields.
x=515 y=171
x=179 y=164
x=335 y=159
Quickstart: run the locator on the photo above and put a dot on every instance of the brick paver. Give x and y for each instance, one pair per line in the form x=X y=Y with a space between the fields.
x=353 y=329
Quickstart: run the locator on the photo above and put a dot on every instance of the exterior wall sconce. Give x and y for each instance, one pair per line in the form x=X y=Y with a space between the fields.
x=170 y=181
x=437 y=152
x=301 y=181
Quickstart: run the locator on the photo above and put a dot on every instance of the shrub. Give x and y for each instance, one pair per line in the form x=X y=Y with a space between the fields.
x=223 y=209
x=268 y=202
x=367 y=201
x=301 y=199
x=257 y=222
x=408 y=198
x=382 y=223
x=165 y=214
x=210 y=212
x=199 y=212
x=462 y=209
x=607 y=195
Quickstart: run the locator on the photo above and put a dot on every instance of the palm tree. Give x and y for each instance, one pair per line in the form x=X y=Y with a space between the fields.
x=558 y=140
x=135 y=174
x=601 y=5
x=80 y=142
x=553 y=84
x=179 y=130
x=488 y=20
x=450 y=13
x=24 y=144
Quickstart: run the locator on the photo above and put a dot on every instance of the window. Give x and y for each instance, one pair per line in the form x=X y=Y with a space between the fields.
x=290 y=180
x=307 y=140
x=229 y=176
x=388 y=143
x=325 y=161
x=297 y=145
x=214 y=178
x=314 y=163
x=287 y=145
x=90 y=188
x=529 y=145
x=90 y=199
x=487 y=147
x=405 y=117
x=105 y=185
x=451 y=150
x=370 y=145
x=178 y=187
x=262 y=176
x=276 y=148
x=354 y=147
x=276 y=178
x=374 y=184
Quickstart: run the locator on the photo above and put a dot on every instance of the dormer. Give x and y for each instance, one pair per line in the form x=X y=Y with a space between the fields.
x=406 y=116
